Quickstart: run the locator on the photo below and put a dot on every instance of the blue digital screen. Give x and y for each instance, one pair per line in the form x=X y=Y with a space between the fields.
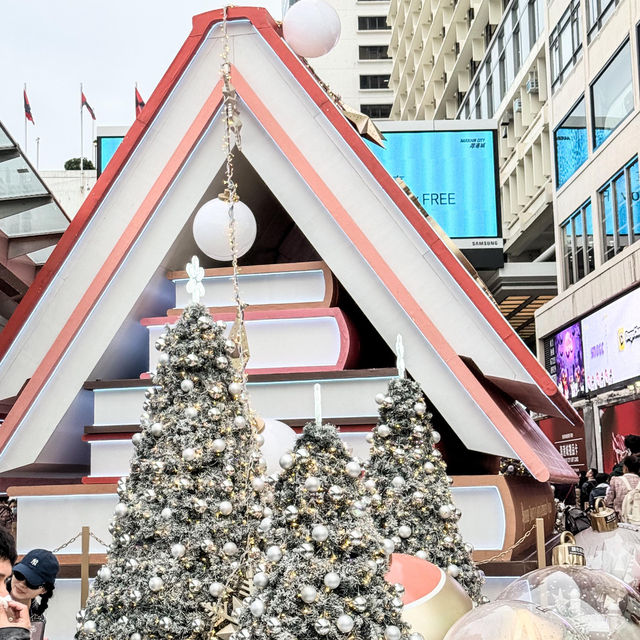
x=107 y=146
x=453 y=175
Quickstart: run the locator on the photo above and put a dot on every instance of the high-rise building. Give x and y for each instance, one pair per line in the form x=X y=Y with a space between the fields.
x=590 y=333
x=358 y=68
x=486 y=60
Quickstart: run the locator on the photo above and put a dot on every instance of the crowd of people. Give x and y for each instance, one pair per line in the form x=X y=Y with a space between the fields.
x=25 y=589
x=613 y=488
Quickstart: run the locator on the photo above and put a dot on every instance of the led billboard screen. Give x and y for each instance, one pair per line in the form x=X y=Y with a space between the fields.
x=453 y=175
x=611 y=339
x=107 y=146
x=570 y=362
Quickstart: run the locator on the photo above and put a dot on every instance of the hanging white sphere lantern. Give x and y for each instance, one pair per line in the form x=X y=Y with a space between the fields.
x=211 y=229
x=311 y=28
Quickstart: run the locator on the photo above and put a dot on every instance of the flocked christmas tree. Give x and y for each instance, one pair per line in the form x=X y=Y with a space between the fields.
x=183 y=528
x=408 y=480
x=325 y=562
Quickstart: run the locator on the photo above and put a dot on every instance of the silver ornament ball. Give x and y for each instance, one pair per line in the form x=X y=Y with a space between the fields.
x=286 y=461
x=312 y=484
x=345 y=623
x=274 y=553
x=436 y=436
x=191 y=413
x=235 y=389
x=120 y=509
x=353 y=469
x=104 y=574
x=453 y=570
x=397 y=482
x=156 y=584
x=260 y=580
x=178 y=550
x=308 y=594
x=320 y=533
x=257 y=608
x=188 y=454
x=166 y=513
x=404 y=531
x=429 y=467
x=218 y=445
x=216 y=589
x=225 y=507
x=392 y=632
x=230 y=549
x=332 y=580
x=383 y=430
x=322 y=626
x=89 y=626
x=186 y=386
x=156 y=429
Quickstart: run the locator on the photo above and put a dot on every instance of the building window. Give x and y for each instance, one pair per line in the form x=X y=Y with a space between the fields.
x=535 y=25
x=489 y=91
x=565 y=44
x=372 y=23
x=570 y=143
x=577 y=235
x=612 y=95
x=619 y=213
x=373 y=52
x=598 y=12
x=380 y=81
x=517 y=49
x=376 y=110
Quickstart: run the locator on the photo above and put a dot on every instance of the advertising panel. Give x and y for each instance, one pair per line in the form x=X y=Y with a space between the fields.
x=568 y=440
x=611 y=338
x=569 y=362
x=453 y=175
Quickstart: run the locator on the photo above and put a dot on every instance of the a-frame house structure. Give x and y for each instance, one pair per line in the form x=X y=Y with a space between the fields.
x=75 y=353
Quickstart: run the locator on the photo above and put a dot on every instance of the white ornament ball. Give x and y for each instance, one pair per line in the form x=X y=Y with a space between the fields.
x=258 y=484
x=392 y=632
x=453 y=570
x=178 y=550
x=332 y=580
x=404 y=531
x=240 y=421
x=186 y=386
x=319 y=533
x=397 y=482
x=344 y=622
x=353 y=468
x=322 y=626
x=225 y=507
x=235 y=389
x=445 y=511
x=156 y=583
x=89 y=626
x=260 y=580
x=230 y=549
x=286 y=461
x=312 y=484
x=136 y=439
x=135 y=636
x=166 y=513
x=188 y=454
x=369 y=437
x=104 y=573
x=211 y=229
x=308 y=594
x=257 y=608
x=429 y=467
x=416 y=636
x=274 y=553
x=311 y=28
x=370 y=484
x=218 y=445
x=120 y=509
x=384 y=431
x=388 y=545
x=379 y=398
x=156 y=429
x=422 y=554
x=216 y=589
x=436 y=436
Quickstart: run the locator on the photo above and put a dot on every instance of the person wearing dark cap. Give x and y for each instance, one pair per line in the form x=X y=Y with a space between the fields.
x=33 y=582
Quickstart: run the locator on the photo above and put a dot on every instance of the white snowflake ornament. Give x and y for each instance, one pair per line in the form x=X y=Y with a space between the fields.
x=196 y=274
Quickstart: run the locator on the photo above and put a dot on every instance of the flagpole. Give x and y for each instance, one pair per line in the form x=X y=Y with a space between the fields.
x=25 y=122
x=81 y=141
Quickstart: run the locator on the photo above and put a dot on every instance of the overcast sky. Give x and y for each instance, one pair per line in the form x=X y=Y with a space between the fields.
x=54 y=45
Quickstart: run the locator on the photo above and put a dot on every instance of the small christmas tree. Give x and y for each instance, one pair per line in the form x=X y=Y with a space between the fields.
x=410 y=487
x=325 y=562
x=184 y=525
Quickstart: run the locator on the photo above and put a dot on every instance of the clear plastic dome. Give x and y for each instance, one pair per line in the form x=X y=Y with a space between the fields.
x=506 y=620
x=596 y=603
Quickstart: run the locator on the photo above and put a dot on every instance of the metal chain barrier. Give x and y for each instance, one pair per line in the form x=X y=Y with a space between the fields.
x=71 y=540
x=511 y=548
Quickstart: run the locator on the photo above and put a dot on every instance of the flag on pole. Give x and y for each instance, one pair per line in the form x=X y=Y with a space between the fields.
x=27 y=108
x=139 y=102
x=86 y=104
